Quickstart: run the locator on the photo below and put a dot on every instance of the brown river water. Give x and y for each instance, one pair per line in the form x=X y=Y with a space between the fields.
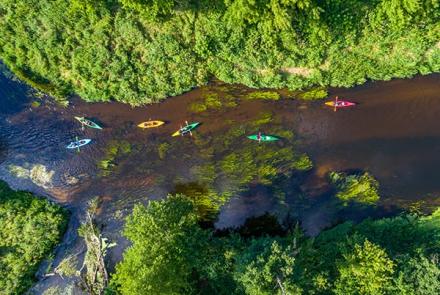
x=393 y=132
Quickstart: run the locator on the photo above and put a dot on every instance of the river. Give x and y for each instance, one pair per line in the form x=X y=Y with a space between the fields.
x=393 y=132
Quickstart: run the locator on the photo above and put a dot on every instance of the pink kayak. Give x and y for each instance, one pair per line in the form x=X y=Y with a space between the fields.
x=340 y=103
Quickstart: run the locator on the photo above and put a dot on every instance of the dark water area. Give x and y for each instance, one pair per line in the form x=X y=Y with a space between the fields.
x=394 y=133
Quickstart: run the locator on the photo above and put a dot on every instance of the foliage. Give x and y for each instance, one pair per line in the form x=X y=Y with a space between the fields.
x=419 y=275
x=359 y=188
x=67 y=267
x=172 y=254
x=167 y=248
x=266 y=266
x=141 y=51
x=31 y=227
x=366 y=269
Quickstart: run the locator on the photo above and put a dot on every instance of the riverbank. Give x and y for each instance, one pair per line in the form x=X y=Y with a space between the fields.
x=31 y=227
x=123 y=51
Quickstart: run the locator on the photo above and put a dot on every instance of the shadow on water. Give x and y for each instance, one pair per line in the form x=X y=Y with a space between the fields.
x=14 y=94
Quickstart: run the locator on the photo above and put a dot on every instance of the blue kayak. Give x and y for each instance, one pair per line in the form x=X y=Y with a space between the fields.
x=78 y=143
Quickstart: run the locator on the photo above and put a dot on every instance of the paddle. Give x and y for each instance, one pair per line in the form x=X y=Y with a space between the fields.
x=187 y=124
x=76 y=138
x=336 y=102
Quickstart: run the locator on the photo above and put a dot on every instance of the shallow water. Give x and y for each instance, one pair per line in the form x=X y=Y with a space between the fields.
x=393 y=133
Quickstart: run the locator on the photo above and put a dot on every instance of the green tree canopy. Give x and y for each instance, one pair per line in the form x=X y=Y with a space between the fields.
x=366 y=269
x=167 y=245
x=266 y=267
x=30 y=228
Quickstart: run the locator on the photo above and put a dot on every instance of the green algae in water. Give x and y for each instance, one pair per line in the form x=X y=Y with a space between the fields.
x=36 y=104
x=232 y=162
x=263 y=95
x=114 y=150
x=313 y=94
x=358 y=188
x=163 y=149
x=206 y=201
x=213 y=101
x=263 y=118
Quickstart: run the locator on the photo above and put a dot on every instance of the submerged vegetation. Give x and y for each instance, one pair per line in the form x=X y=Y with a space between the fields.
x=139 y=52
x=30 y=229
x=231 y=162
x=113 y=150
x=37 y=173
x=358 y=188
x=172 y=254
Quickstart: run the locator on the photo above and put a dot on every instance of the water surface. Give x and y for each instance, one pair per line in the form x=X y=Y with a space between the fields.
x=393 y=133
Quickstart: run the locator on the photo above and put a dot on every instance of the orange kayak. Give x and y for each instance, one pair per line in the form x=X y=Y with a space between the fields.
x=151 y=124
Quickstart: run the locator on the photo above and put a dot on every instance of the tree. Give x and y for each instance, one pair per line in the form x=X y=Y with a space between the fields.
x=418 y=276
x=277 y=14
x=30 y=229
x=151 y=8
x=167 y=247
x=365 y=269
x=265 y=266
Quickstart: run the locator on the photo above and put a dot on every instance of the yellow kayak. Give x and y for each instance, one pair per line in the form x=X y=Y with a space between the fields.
x=151 y=124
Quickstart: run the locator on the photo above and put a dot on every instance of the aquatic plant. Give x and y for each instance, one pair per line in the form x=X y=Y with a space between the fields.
x=263 y=118
x=35 y=104
x=113 y=150
x=231 y=161
x=303 y=162
x=162 y=150
x=361 y=188
x=313 y=94
x=263 y=95
x=205 y=200
x=213 y=101
x=37 y=173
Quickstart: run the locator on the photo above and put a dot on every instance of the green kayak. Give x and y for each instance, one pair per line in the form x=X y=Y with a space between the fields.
x=186 y=129
x=263 y=137
x=88 y=123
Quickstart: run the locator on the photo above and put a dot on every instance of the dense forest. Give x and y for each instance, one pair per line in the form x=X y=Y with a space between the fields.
x=172 y=254
x=30 y=229
x=141 y=51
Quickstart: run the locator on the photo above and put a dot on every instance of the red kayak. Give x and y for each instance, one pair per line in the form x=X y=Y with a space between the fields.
x=340 y=103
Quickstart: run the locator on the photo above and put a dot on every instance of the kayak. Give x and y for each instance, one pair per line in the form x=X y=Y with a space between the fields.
x=263 y=137
x=88 y=123
x=78 y=143
x=151 y=124
x=340 y=104
x=186 y=129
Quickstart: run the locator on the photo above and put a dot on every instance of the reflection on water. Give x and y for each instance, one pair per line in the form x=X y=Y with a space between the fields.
x=393 y=133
